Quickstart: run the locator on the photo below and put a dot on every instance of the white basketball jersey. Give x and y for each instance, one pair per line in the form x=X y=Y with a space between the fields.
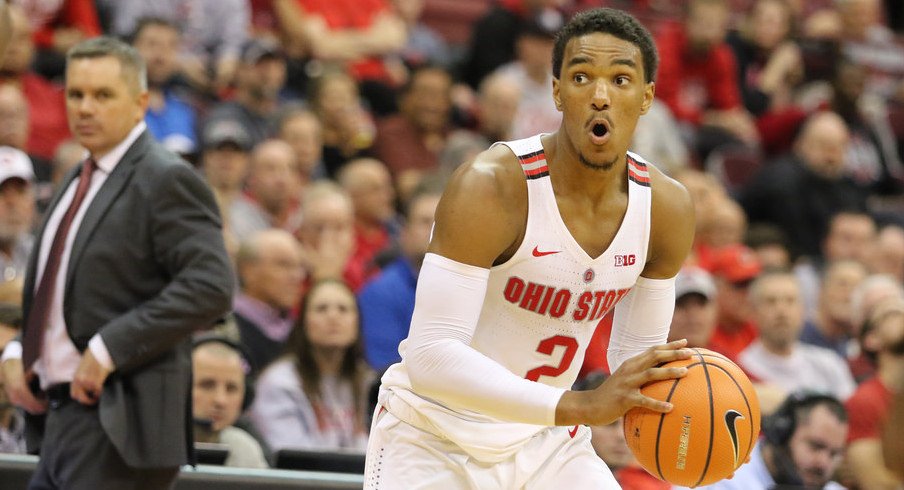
x=540 y=310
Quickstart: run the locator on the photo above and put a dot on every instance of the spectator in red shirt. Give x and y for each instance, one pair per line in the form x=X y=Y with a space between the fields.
x=358 y=33
x=698 y=77
x=368 y=183
x=410 y=142
x=869 y=406
x=734 y=269
x=46 y=104
x=58 y=26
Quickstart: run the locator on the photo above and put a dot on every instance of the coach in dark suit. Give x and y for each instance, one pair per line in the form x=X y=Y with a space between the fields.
x=128 y=262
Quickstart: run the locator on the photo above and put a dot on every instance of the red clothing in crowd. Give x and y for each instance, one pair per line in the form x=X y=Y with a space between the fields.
x=361 y=268
x=731 y=343
x=352 y=14
x=47 y=16
x=401 y=146
x=637 y=478
x=691 y=84
x=868 y=409
x=47 y=124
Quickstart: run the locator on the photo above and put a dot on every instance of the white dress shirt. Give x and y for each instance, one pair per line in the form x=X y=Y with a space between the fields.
x=62 y=359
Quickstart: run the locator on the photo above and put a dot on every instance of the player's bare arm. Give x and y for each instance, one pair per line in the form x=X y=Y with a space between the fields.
x=671 y=236
x=486 y=198
x=671 y=229
x=479 y=222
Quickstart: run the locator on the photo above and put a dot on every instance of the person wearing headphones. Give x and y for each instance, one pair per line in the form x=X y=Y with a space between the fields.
x=803 y=444
x=220 y=394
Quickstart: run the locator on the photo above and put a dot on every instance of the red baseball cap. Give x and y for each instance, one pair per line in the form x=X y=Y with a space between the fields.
x=736 y=264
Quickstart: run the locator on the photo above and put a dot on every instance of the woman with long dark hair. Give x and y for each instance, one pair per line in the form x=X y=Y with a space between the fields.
x=315 y=396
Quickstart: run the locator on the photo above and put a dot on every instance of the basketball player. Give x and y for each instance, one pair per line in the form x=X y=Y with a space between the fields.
x=534 y=242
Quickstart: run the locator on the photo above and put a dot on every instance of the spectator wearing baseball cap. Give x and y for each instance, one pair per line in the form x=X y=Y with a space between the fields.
x=17 y=212
x=734 y=267
x=695 y=307
x=225 y=157
x=258 y=85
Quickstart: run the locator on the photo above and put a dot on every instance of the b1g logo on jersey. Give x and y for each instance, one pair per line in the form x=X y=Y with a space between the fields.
x=625 y=260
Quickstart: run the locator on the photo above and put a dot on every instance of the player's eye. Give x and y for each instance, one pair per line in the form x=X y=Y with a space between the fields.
x=580 y=78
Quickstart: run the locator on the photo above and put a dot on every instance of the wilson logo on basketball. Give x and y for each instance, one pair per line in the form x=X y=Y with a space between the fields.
x=623 y=260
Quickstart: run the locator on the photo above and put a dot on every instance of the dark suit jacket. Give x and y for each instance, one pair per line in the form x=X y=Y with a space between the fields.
x=147 y=267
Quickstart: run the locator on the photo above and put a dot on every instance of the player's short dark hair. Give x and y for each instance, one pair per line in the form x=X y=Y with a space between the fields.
x=608 y=21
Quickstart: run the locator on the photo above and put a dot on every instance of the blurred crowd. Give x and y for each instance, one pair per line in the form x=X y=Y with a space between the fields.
x=327 y=129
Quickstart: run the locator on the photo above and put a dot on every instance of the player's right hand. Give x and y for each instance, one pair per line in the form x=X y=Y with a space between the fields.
x=16 y=384
x=621 y=391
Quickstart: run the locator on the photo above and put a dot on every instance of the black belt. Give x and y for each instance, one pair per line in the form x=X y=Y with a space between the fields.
x=58 y=394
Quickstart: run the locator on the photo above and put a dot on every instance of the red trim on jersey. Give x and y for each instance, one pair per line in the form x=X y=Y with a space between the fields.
x=638 y=171
x=532 y=157
x=538 y=170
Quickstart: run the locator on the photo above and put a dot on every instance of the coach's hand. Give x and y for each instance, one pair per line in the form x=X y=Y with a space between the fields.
x=621 y=391
x=16 y=383
x=89 y=380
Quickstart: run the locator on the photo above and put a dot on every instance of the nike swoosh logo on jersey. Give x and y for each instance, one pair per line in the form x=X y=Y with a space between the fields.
x=538 y=253
x=573 y=431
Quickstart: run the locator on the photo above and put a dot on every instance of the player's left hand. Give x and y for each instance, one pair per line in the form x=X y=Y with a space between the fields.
x=89 y=380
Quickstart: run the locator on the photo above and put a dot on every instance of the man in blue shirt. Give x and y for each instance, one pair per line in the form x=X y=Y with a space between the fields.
x=170 y=118
x=387 y=302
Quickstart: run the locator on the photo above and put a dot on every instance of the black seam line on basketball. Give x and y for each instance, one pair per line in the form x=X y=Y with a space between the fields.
x=753 y=437
x=659 y=429
x=712 y=414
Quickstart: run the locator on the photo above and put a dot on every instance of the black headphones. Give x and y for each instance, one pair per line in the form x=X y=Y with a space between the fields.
x=210 y=338
x=779 y=427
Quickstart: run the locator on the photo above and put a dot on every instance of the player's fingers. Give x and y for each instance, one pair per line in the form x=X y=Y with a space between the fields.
x=658 y=357
x=659 y=374
x=675 y=344
x=653 y=404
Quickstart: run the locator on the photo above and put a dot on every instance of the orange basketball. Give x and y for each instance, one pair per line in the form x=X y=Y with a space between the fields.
x=711 y=430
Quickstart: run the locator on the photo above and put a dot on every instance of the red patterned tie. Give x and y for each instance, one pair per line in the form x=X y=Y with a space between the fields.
x=43 y=298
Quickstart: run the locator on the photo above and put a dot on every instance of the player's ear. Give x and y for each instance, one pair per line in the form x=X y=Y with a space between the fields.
x=555 y=94
x=648 y=93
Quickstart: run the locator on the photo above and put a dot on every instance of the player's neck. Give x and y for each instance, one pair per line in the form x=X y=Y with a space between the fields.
x=569 y=174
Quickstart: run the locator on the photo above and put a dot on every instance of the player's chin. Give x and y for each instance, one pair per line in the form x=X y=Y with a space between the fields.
x=596 y=161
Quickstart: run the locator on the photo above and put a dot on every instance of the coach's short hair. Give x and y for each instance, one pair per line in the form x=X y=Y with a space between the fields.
x=134 y=70
x=608 y=21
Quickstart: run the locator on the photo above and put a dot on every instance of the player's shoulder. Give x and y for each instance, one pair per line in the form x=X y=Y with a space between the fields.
x=667 y=193
x=495 y=173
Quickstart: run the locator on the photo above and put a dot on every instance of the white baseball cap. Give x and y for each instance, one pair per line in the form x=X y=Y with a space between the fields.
x=15 y=164
x=693 y=279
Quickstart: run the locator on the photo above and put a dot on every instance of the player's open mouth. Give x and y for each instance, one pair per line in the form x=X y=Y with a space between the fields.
x=599 y=133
